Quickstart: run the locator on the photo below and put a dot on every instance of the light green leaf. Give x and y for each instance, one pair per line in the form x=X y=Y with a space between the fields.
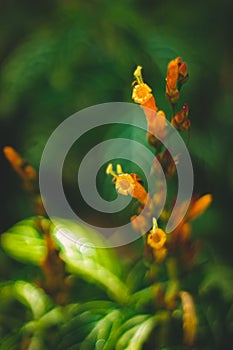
x=79 y=249
x=24 y=242
x=29 y=295
x=135 y=336
x=96 y=322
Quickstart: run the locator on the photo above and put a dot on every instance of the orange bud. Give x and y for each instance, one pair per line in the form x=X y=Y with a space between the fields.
x=173 y=73
x=180 y=116
x=199 y=206
x=185 y=125
x=180 y=121
x=183 y=72
x=20 y=165
x=177 y=74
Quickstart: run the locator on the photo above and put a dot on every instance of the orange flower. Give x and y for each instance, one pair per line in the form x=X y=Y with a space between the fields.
x=128 y=184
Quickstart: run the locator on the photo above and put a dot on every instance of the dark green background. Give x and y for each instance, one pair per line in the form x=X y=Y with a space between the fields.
x=58 y=57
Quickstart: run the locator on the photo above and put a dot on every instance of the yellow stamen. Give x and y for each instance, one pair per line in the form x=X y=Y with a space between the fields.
x=155 y=224
x=119 y=169
x=109 y=171
x=138 y=75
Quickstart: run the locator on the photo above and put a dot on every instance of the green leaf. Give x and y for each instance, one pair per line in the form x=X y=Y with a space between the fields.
x=79 y=249
x=102 y=333
x=24 y=242
x=96 y=322
x=135 y=336
x=29 y=295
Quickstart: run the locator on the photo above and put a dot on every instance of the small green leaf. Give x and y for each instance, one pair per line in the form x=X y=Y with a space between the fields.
x=135 y=337
x=101 y=332
x=29 y=295
x=24 y=242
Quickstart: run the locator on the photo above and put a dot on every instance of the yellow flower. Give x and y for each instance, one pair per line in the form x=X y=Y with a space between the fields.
x=157 y=237
x=128 y=184
x=142 y=93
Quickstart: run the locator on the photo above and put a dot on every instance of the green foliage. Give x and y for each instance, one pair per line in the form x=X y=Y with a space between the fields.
x=125 y=317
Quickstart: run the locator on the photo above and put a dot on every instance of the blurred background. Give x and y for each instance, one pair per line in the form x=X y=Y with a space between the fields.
x=60 y=56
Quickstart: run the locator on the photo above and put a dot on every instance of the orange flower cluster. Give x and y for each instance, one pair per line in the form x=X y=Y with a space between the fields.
x=179 y=240
x=177 y=74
